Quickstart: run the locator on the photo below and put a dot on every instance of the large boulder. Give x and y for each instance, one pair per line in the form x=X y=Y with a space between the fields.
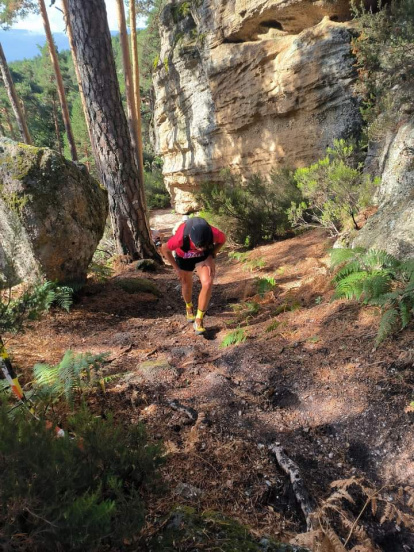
x=392 y=227
x=52 y=214
x=250 y=86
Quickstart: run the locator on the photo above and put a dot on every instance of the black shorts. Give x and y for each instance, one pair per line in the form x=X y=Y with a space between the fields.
x=189 y=264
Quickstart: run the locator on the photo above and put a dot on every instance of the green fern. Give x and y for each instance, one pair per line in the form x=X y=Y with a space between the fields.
x=31 y=304
x=377 y=278
x=234 y=338
x=352 y=286
x=265 y=284
x=342 y=255
x=74 y=373
x=389 y=323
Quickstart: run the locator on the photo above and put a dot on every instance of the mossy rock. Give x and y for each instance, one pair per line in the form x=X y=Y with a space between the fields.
x=52 y=214
x=187 y=530
x=146 y=265
x=138 y=285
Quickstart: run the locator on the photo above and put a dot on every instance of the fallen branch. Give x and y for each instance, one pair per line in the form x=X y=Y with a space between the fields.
x=299 y=488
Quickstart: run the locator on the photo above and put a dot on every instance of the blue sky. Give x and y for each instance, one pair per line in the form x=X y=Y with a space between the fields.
x=20 y=41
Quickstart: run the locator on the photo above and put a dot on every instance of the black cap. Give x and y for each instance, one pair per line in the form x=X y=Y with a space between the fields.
x=201 y=233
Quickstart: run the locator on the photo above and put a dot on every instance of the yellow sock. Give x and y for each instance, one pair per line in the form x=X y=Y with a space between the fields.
x=189 y=305
x=200 y=314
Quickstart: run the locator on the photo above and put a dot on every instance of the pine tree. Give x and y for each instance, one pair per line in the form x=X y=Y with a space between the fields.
x=59 y=80
x=109 y=128
x=14 y=100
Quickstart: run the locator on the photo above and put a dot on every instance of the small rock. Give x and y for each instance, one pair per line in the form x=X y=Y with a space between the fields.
x=188 y=491
x=330 y=455
x=146 y=265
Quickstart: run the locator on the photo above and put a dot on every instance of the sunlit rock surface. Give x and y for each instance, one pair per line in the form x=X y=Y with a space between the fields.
x=250 y=86
x=392 y=227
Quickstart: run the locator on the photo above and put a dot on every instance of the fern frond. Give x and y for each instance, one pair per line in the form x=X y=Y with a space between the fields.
x=344 y=483
x=352 y=286
x=349 y=268
x=340 y=256
x=388 y=323
x=376 y=284
x=389 y=513
x=407 y=270
x=73 y=373
x=333 y=539
x=391 y=299
x=376 y=259
x=234 y=338
x=406 y=311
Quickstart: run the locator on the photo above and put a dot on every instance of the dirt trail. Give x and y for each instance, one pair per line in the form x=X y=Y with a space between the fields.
x=307 y=376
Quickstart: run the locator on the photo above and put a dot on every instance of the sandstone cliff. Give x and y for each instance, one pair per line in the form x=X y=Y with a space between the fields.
x=250 y=85
x=52 y=215
x=392 y=227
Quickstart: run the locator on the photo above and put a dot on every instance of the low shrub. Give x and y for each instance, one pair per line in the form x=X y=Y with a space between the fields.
x=376 y=278
x=250 y=212
x=80 y=493
x=334 y=189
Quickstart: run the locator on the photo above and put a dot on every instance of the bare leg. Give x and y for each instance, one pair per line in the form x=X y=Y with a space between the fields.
x=186 y=279
x=206 y=279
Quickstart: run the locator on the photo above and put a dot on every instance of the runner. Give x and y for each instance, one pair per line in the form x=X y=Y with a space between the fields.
x=194 y=246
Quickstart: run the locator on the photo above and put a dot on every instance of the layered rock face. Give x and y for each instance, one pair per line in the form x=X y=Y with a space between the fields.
x=392 y=227
x=52 y=215
x=250 y=85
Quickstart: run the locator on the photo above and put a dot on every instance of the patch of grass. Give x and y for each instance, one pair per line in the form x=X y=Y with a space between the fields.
x=274 y=325
x=234 y=338
x=287 y=307
x=265 y=284
x=138 y=285
x=249 y=264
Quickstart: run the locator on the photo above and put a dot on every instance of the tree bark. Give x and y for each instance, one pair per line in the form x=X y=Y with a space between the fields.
x=75 y=64
x=14 y=100
x=60 y=87
x=109 y=128
x=129 y=86
x=135 y=80
x=9 y=123
x=57 y=130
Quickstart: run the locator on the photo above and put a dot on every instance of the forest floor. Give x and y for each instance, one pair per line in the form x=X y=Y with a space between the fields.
x=307 y=376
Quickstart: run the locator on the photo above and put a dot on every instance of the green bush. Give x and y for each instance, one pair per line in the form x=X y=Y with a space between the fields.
x=78 y=493
x=376 y=278
x=335 y=189
x=385 y=62
x=34 y=300
x=250 y=212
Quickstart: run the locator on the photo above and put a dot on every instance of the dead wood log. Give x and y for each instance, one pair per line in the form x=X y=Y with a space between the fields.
x=299 y=488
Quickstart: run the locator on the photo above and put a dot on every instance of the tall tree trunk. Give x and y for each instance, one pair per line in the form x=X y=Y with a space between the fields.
x=9 y=123
x=60 y=87
x=57 y=130
x=14 y=100
x=135 y=80
x=75 y=64
x=109 y=128
x=129 y=85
